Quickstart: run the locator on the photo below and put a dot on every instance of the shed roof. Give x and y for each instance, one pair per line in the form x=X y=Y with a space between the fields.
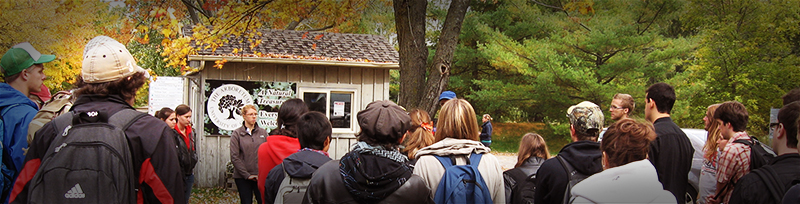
x=289 y=46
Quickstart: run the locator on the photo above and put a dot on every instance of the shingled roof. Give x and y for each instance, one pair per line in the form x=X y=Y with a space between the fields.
x=289 y=44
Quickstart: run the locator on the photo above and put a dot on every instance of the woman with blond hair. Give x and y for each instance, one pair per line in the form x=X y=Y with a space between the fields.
x=714 y=141
x=627 y=176
x=532 y=152
x=244 y=144
x=457 y=142
x=420 y=134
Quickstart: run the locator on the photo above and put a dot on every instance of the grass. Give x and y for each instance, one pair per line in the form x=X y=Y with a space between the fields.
x=506 y=136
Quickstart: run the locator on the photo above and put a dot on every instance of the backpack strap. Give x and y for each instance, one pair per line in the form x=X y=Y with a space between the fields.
x=518 y=175
x=125 y=118
x=448 y=161
x=770 y=179
x=567 y=167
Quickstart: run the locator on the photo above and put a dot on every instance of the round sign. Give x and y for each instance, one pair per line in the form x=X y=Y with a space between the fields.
x=225 y=104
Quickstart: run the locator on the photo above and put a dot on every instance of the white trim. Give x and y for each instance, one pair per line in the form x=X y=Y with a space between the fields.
x=204 y=58
x=354 y=103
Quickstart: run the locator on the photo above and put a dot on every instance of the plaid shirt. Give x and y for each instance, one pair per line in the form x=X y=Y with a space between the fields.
x=734 y=162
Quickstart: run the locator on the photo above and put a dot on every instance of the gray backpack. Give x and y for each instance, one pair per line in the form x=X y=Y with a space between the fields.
x=292 y=190
x=89 y=161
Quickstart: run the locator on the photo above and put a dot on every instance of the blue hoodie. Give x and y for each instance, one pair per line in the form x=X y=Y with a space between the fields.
x=16 y=122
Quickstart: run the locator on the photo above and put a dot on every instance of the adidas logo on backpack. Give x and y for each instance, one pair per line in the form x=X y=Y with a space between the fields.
x=75 y=192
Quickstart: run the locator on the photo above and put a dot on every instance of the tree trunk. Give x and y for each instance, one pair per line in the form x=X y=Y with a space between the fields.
x=410 y=24
x=443 y=59
x=192 y=13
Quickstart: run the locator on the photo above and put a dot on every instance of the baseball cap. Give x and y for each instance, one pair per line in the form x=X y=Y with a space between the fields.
x=447 y=95
x=384 y=121
x=22 y=56
x=585 y=116
x=105 y=59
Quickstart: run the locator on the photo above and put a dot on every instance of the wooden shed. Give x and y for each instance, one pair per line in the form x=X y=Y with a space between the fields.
x=334 y=73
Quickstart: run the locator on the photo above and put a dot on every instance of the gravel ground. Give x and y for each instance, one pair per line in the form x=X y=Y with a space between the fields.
x=507 y=160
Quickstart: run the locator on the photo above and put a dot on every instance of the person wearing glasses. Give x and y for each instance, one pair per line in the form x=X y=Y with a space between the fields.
x=621 y=106
x=244 y=155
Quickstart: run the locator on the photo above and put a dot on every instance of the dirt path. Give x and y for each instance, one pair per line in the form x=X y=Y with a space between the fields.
x=507 y=160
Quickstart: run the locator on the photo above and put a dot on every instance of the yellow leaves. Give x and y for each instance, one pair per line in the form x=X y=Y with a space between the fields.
x=582 y=6
x=219 y=63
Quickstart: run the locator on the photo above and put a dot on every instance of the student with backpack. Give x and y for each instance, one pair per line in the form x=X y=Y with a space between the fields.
x=374 y=171
x=627 y=176
x=769 y=183
x=281 y=142
x=103 y=135
x=734 y=161
x=288 y=181
x=520 y=181
x=458 y=168
x=23 y=73
x=581 y=158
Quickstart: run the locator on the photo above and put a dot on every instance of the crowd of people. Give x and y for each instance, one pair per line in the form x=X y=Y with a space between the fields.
x=56 y=155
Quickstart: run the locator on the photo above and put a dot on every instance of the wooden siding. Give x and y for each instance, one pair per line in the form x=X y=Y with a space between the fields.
x=370 y=84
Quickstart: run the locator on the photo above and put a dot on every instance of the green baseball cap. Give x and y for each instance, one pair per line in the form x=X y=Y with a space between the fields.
x=22 y=56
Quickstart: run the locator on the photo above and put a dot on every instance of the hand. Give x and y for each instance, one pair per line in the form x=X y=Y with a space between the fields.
x=253 y=177
x=710 y=200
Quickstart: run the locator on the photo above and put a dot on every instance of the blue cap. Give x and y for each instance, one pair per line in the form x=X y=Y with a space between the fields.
x=447 y=95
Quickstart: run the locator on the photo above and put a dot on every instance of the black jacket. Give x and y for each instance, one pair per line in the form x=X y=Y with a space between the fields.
x=298 y=165
x=486 y=131
x=552 y=179
x=671 y=153
x=793 y=195
x=153 y=151
x=529 y=167
x=327 y=186
x=751 y=189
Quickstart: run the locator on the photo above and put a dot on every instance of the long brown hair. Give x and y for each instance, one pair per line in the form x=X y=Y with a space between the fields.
x=419 y=135
x=531 y=145
x=457 y=120
x=713 y=133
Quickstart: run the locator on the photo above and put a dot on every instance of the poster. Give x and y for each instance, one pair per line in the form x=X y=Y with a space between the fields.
x=165 y=92
x=224 y=100
x=338 y=108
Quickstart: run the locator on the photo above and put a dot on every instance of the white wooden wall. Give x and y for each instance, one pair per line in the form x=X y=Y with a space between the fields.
x=213 y=151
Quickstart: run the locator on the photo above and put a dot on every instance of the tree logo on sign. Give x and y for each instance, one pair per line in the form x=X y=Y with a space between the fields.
x=225 y=104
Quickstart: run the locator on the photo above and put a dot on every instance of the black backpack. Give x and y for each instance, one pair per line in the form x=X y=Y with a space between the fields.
x=768 y=175
x=760 y=154
x=89 y=161
x=523 y=190
x=574 y=178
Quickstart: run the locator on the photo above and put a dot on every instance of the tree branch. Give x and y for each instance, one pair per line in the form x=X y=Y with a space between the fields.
x=323 y=28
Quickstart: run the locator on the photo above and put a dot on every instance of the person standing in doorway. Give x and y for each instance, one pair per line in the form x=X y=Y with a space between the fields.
x=486 y=130
x=244 y=155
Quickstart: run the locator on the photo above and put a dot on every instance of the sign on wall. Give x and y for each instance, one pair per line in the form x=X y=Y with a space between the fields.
x=224 y=100
x=165 y=92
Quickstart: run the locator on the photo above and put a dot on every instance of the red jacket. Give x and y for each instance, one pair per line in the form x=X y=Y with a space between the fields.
x=272 y=153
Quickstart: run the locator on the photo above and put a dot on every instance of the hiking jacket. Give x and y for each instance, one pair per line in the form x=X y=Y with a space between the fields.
x=635 y=182
x=529 y=167
x=153 y=151
x=752 y=189
x=671 y=153
x=16 y=122
x=271 y=153
x=298 y=165
x=552 y=179
x=327 y=185
x=431 y=170
x=244 y=150
x=486 y=131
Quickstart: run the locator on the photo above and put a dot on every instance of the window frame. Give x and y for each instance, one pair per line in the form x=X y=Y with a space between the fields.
x=354 y=104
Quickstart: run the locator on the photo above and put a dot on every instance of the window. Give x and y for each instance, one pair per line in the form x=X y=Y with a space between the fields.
x=336 y=104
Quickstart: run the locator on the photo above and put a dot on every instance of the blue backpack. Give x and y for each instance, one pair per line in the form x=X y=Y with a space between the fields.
x=7 y=169
x=462 y=183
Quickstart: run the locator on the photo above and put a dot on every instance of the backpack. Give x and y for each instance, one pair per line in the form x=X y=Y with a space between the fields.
x=523 y=190
x=291 y=190
x=89 y=161
x=462 y=183
x=760 y=154
x=7 y=168
x=770 y=179
x=59 y=104
x=574 y=178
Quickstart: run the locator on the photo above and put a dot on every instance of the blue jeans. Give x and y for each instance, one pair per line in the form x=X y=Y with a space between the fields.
x=188 y=180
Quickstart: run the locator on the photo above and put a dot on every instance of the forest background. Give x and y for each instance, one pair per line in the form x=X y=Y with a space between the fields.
x=522 y=61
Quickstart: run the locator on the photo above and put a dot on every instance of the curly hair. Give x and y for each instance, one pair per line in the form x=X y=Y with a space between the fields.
x=125 y=87
x=627 y=141
x=711 y=145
